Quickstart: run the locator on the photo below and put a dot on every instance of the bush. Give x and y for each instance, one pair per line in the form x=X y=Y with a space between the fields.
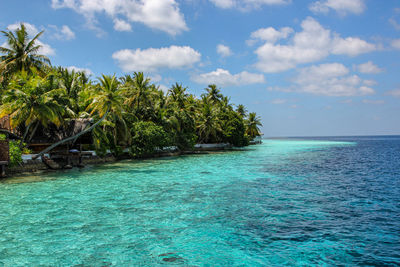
x=147 y=138
x=15 y=151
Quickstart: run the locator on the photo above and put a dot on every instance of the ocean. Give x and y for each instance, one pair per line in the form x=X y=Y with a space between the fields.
x=287 y=202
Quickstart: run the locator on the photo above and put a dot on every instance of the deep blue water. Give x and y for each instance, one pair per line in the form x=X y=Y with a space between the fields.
x=294 y=202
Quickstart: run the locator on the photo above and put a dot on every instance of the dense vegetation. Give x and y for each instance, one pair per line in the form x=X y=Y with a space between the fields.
x=127 y=112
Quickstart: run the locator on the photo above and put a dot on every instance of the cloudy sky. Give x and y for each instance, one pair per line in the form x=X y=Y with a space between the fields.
x=308 y=68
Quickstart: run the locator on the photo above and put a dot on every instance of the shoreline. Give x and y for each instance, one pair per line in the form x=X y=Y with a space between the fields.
x=35 y=167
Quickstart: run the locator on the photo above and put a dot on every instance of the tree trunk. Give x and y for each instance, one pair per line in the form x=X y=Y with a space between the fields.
x=33 y=132
x=25 y=134
x=71 y=138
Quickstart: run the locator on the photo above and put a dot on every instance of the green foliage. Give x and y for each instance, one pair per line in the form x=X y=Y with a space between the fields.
x=147 y=138
x=15 y=154
x=235 y=130
x=126 y=112
x=15 y=151
x=20 y=53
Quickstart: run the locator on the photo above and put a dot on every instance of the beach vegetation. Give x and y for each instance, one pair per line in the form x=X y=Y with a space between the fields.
x=125 y=113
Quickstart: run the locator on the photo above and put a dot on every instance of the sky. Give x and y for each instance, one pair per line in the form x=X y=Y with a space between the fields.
x=307 y=68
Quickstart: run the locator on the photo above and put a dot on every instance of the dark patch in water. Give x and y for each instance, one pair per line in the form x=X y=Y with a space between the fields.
x=171 y=258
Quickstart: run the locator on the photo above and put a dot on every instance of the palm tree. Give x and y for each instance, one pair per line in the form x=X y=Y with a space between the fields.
x=208 y=123
x=252 y=124
x=177 y=94
x=136 y=90
x=70 y=82
x=241 y=110
x=21 y=53
x=30 y=102
x=213 y=95
x=104 y=99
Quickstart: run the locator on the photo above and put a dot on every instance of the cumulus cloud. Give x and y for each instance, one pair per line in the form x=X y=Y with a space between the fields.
x=224 y=78
x=122 y=26
x=77 y=69
x=368 y=67
x=395 y=93
x=247 y=4
x=313 y=43
x=270 y=35
x=63 y=33
x=224 y=50
x=162 y=15
x=152 y=59
x=31 y=29
x=396 y=44
x=343 y=7
x=333 y=79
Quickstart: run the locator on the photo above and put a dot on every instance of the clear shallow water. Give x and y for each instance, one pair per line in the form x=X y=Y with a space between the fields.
x=285 y=202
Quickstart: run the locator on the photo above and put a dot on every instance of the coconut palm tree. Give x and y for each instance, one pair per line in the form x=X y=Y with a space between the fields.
x=29 y=101
x=213 y=95
x=104 y=99
x=208 y=123
x=177 y=95
x=252 y=124
x=136 y=90
x=21 y=53
x=241 y=110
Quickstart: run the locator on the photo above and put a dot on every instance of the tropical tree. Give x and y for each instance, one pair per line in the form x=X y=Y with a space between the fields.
x=213 y=95
x=21 y=53
x=241 y=110
x=138 y=94
x=252 y=124
x=105 y=98
x=30 y=102
x=208 y=123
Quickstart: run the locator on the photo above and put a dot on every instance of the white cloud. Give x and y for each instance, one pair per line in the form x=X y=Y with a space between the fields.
x=77 y=69
x=224 y=50
x=271 y=35
x=332 y=79
x=247 y=4
x=341 y=6
x=278 y=101
x=395 y=93
x=63 y=33
x=373 y=102
x=224 y=78
x=45 y=49
x=313 y=43
x=396 y=44
x=163 y=88
x=368 y=67
x=351 y=46
x=162 y=15
x=151 y=59
x=394 y=23
x=369 y=83
x=122 y=25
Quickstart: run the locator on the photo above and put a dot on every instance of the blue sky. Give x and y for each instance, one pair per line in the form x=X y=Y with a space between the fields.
x=308 y=68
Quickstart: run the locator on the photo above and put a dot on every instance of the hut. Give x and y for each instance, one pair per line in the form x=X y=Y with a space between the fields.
x=67 y=154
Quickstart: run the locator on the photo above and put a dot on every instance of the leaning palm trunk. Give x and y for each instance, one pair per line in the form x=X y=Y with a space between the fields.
x=71 y=138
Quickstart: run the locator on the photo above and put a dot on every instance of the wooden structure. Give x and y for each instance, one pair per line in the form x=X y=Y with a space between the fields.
x=5 y=125
x=4 y=156
x=66 y=155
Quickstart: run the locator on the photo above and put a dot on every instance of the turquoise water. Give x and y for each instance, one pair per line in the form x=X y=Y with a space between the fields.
x=285 y=202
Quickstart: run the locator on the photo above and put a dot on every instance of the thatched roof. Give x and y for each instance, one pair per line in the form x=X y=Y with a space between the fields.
x=52 y=134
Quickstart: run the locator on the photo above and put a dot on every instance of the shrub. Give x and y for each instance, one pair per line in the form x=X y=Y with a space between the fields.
x=15 y=151
x=147 y=138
